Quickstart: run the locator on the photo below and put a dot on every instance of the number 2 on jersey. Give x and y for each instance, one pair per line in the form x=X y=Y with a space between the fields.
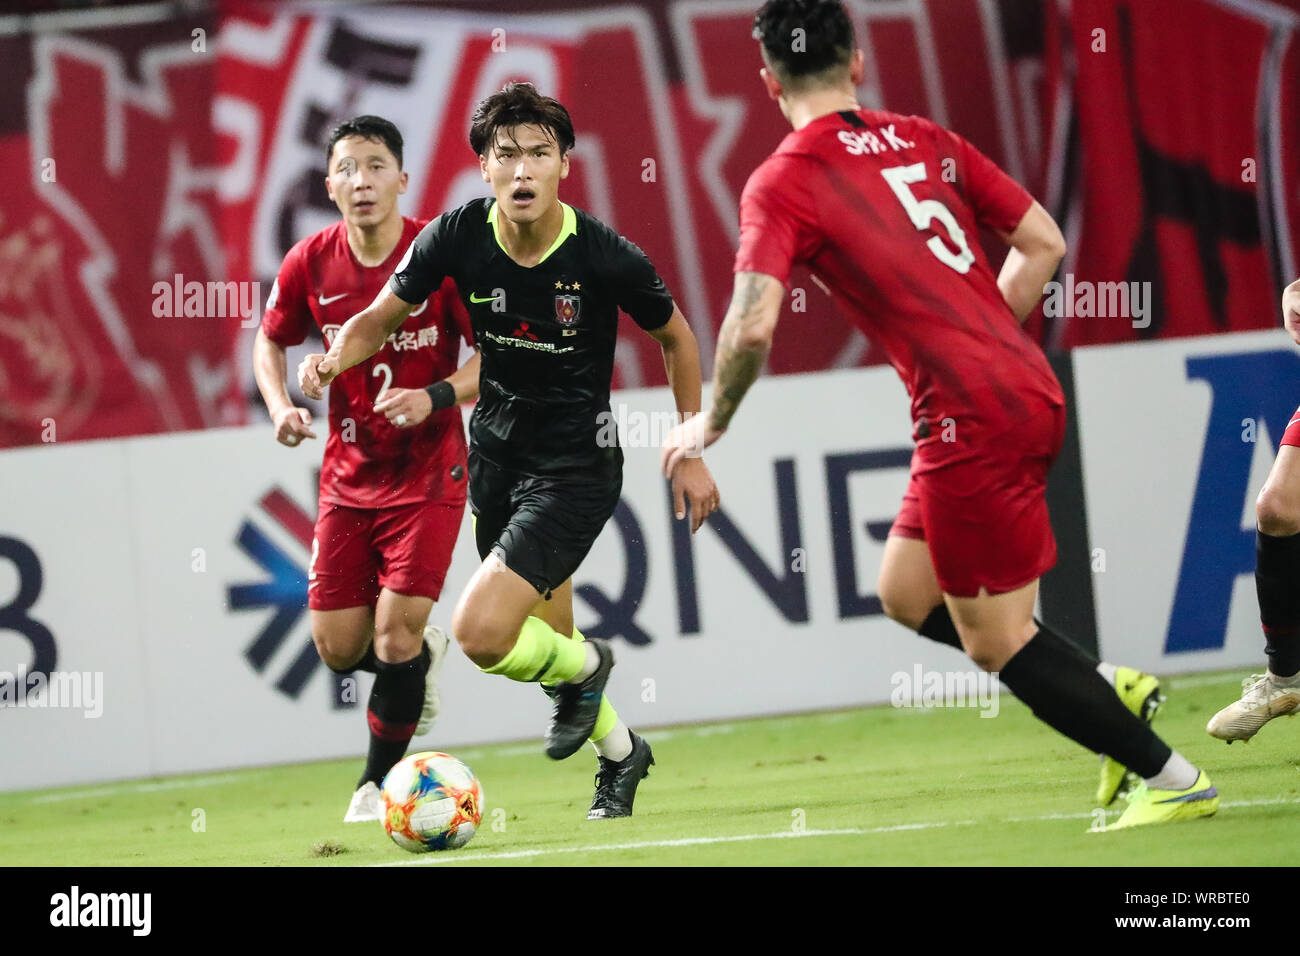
x=387 y=373
x=924 y=211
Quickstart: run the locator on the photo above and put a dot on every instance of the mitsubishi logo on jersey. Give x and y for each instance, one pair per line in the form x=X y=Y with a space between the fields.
x=283 y=591
x=523 y=333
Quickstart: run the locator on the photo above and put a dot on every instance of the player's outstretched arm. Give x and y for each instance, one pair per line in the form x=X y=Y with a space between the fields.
x=1291 y=310
x=407 y=407
x=743 y=343
x=292 y=424
x=692 y=483
x=1037 y=248
x=361 y=337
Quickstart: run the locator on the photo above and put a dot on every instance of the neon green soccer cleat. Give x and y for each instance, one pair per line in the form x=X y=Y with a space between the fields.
x=1163 y=806
x=1140 y=694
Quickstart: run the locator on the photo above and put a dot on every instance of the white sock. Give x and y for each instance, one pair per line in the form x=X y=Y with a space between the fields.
x=1176 y=774
x=588 y=666
x=1108 y=672
x=1292 y=681
x=615 y=745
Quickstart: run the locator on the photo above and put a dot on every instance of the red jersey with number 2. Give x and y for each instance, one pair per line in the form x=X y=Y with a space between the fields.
x=884 y=210
x=369 y=462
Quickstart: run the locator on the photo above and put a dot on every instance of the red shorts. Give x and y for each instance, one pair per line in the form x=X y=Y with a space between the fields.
x=357 y=551
x=1292 y=434
x=985 y=515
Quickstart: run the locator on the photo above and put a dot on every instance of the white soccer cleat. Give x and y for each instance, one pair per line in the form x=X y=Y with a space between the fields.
x=366 y=806
x=438 y=643
x=1261 y=700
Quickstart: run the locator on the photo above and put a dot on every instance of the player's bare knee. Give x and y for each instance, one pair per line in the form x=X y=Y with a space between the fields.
x=987 y=658
x=481 y=647
x=988 y=655
x=1277 y=514
x=478 y=640
x=893 y=599
x=332 y=656
x=895 y=612
x=397 y=641
x=898 y=607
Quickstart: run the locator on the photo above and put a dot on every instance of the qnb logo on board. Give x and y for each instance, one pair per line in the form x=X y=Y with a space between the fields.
x=283 y=593
x=1249 y=397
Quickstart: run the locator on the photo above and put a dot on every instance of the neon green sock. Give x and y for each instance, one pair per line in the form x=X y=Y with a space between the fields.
x=540 y=654
x=608 y=716
x=605 y=720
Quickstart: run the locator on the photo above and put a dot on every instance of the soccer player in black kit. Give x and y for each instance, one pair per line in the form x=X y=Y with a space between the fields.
x=543 y=283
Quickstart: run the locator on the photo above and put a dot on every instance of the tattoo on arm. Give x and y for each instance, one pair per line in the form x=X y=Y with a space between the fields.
x=739 y=365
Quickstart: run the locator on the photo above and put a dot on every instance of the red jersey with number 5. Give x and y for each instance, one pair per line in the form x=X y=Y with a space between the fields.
x=369 y=462
x=884 y=210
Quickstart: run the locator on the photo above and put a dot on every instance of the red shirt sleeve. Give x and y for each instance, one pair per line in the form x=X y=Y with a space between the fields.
x=287 y=319
x=777 y=218
x=997 y=200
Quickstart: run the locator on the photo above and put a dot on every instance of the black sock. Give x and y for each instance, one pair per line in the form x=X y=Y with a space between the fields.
x=1056 y=681
x=1277 y=582
x=396 y=700
x=938 y=626
x=368 y=663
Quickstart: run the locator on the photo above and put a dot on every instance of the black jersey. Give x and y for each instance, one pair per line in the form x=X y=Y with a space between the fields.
x=546 y=332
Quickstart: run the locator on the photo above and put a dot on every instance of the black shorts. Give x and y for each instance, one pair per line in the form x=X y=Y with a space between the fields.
x=542 y=527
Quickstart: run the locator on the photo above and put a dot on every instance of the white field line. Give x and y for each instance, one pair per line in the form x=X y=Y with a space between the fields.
x=436 y=859
x=110 y=790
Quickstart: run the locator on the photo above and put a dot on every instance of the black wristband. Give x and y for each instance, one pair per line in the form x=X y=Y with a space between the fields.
x=442 y=394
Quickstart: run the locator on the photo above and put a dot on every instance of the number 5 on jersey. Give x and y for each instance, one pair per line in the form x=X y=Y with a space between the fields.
x=924 y=211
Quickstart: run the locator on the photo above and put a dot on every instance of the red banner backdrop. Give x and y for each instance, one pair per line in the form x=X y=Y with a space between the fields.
x=194 y=150
x=122 y=194
x=1185 y=155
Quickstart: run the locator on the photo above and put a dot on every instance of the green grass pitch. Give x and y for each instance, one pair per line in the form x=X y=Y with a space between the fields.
x=860 y=787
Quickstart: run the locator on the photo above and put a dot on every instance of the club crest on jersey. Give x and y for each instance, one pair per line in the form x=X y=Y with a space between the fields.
x=567 y=308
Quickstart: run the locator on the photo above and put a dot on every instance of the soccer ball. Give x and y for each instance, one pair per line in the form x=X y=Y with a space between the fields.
x=431 y=801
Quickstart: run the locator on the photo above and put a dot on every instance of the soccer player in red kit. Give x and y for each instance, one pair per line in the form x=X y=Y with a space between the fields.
x=392 y=485
x=1277 y=580
x=884 y=209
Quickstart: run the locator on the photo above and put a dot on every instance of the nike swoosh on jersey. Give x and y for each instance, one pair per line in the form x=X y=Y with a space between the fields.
x=474 y=298
x=334 y=298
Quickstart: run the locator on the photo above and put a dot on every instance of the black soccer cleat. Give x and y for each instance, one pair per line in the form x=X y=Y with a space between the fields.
x=577 y=706
x=616 y=781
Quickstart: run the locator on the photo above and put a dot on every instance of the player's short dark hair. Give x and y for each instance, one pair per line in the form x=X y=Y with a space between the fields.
x=367 y=127
x=814 y=56
x=519 y=104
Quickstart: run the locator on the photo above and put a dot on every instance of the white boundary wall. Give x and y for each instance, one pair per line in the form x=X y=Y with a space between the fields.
x=115 y=526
